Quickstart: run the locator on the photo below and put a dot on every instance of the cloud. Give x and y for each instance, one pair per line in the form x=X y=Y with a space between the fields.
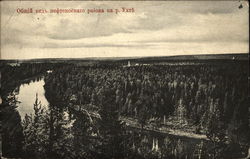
x=82 y=45
x=66 y=29
x=212 y=7
x=153 y=25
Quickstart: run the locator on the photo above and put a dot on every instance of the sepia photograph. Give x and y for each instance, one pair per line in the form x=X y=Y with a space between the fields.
x=125 y=79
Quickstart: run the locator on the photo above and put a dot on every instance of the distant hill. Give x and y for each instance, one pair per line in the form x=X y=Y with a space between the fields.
x=239 y=56
x=204 y=57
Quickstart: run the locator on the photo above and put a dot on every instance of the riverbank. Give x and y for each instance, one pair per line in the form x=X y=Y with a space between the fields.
x=165 y=129
x=27 y=80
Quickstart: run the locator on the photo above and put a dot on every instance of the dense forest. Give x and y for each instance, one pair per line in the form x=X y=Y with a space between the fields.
x=90 y=109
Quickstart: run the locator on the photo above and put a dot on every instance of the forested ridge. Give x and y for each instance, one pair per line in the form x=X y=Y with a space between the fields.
x=206 y=99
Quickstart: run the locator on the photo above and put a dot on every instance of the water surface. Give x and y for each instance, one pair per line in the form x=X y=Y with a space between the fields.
x=27 y=96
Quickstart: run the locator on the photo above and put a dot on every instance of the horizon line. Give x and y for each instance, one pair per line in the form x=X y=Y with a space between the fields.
x=117 y=57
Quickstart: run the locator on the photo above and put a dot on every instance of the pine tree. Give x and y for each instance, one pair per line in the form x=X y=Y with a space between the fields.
x=35 y=131
x=216 y=131
x=12 y=136
x=110 y=126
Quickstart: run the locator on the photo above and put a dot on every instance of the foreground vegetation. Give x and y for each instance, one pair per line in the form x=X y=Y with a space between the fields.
x=89 y=107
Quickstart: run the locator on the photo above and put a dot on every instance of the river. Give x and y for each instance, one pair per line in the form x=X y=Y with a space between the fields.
x=140 y=143
x=146 y=144
x=27 y=96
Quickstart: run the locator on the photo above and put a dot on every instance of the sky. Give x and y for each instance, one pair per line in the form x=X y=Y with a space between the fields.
x=155 y=28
